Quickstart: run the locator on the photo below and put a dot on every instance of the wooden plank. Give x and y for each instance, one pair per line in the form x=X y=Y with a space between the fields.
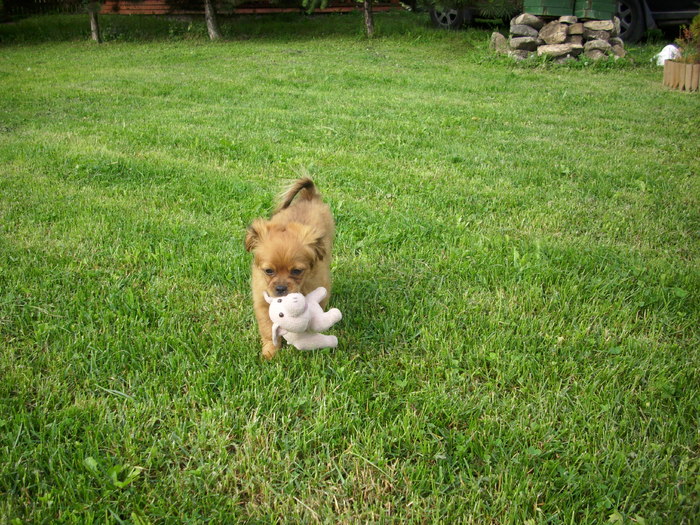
x=686 y=77
x=676 y=81
x=37 y=7
x=263 y=10
x=695 y=79
x=161 y=7
x=126 y=8
x=157 y=7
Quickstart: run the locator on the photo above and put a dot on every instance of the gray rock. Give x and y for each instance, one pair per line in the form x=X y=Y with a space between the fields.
x=575 y=39
x=590 y=34
x=498 y=43
x=618 y=27
x=599 y=25
x=528 y=20
x=594 y=54
x=554 y=33
x=618 y=51
x=523 y=30
x=615 y=41
x=568 y=19
x=525 y=43
x=576 y=29
x=554 y=50
x=576 y=50
x=564 y=59
x=600 y=45
x=520 y=54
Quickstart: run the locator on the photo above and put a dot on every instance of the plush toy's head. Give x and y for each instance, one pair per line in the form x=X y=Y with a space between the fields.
x=287 y=313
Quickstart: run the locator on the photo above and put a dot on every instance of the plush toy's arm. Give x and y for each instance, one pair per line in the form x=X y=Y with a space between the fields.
x=277 y=331
x=317 y=295
x=324 y=320
x=310 y=341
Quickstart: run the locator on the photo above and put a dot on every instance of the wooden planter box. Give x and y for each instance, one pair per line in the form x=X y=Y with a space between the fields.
x=587 y=9
x=595 y=9
x=682 y=76
x=549 y=7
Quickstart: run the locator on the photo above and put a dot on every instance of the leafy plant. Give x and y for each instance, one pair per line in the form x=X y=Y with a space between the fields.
x=498 y=8
x=689 y=41
x=116 y=476
x=311 y=5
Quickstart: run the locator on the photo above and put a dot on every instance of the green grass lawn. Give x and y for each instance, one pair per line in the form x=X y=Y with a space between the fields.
x=516 y=262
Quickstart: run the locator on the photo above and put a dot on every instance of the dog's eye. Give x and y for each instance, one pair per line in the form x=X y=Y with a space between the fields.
x=269 y=271
x=296 y=272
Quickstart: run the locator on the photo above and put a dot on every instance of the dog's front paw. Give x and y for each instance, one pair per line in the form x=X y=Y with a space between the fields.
x=269 y=350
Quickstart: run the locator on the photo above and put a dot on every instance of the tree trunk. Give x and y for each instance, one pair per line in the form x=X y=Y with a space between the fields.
x=93 y=9
x=212 y=22
x=369 y=17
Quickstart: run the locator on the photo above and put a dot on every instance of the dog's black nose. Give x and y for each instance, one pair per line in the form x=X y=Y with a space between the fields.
x=281 y=289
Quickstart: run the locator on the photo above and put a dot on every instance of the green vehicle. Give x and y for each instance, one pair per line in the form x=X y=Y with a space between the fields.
x=462 y=13
x=636 y=16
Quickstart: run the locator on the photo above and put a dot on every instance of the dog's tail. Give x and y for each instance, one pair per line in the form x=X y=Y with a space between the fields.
x=305 y=187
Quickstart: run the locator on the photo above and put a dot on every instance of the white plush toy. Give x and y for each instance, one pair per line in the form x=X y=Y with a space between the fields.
x=670 y=52
x=299 y=319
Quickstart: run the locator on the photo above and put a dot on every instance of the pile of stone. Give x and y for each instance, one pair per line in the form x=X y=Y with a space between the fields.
x=563 y=39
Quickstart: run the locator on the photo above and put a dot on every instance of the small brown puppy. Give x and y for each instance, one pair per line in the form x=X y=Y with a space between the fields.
x=291 y=252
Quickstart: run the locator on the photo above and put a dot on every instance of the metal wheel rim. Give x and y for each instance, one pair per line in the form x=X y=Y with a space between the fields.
x=447 y=17
x=624 y=13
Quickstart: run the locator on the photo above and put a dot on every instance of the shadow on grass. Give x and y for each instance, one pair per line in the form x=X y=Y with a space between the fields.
x=381 y=313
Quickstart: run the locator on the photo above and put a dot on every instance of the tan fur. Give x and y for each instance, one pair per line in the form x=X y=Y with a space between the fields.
x=298 y=236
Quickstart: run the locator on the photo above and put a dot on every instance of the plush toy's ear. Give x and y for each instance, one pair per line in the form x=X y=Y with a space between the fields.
x=255 y=234
x=267 y=297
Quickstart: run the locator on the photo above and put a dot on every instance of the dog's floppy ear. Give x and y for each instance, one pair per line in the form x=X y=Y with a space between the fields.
x=255 y=233
x=319 y=248
x=311 y=238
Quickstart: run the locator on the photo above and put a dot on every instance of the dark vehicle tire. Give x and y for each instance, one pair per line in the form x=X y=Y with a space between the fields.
x=631 y=18
x=446 y=18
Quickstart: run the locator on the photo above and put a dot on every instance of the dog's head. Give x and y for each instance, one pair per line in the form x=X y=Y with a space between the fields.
x=284 y=254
